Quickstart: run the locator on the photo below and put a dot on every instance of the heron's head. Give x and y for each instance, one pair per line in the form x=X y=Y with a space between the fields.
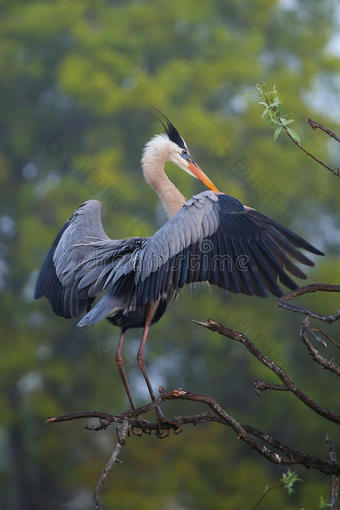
x=173 y=148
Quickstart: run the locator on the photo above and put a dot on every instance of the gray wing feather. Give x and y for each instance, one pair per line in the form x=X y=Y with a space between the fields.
x=83 y=261
x=192 y=219
x=85 y=228
x=77 y=265
x=205 y=241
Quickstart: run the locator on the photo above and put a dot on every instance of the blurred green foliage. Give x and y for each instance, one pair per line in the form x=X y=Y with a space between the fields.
x=75 y=79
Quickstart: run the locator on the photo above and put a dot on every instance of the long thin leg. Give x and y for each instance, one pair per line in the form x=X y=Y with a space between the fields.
x=120 y=365
x=140 y=358
x=140 y=355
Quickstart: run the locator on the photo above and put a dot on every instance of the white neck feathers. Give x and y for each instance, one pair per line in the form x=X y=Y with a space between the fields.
x=155 y=154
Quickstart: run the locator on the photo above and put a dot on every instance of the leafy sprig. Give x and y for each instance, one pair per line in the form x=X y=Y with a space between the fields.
x=289 y=479
x=273 y=112
x=324 y=503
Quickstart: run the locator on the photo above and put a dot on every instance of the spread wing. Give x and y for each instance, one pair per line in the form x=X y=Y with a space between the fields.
x=81 y=262
x=215 y=238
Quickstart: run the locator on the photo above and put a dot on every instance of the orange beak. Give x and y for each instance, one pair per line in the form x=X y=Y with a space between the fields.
x=195 y=169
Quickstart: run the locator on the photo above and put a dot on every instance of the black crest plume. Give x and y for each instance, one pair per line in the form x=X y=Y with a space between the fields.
x=169 y=128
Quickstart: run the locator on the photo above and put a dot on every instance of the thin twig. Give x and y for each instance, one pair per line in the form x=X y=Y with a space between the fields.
x=270 y=100
x=274 y=367
x=122 y=431
x=320 y=330
x=77 y=416
x=316 y=125
x=267 y=490
x=308 y=289
x=307 y=328
x=316 y=355
x=334 y=172
x=263 y=385
x=335 y=478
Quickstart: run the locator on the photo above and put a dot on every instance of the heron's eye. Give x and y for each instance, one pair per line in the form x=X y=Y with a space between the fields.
x=185 y=154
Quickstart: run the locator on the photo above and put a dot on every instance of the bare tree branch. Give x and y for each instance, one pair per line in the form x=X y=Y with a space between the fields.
x=309 y=289
x=274 y=367
x=334 y=171
x=122 y=431
x=268 y=446
x=261 y=386
x=271 y=448
x=335 y=478
x=306 y=327
x=320 y=330
x=324 y=362
x=82 y=414
x=315 y=125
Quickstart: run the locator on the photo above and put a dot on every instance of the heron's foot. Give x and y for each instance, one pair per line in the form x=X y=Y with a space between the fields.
x=141 y=428
x=165 y=425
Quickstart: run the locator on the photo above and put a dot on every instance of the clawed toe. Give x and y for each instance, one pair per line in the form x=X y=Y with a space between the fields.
x=141 y=429
x=165 y=425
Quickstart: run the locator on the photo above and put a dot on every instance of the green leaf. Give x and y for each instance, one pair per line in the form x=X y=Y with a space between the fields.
x=294 y=135
x=275 y=102
x=324 y=503
x=289 y=479
x=276 y=133
x=272 y=116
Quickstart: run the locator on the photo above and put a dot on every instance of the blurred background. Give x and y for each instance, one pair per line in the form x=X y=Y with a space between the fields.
x=75 y=81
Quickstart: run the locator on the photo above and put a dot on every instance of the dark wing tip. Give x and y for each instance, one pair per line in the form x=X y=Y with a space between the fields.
x=298 y=241
x=38 y=293
x=316 y=251
x=40 y=284
x=278 y=292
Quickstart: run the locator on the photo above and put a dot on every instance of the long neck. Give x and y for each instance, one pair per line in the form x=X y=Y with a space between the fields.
x=154 y=158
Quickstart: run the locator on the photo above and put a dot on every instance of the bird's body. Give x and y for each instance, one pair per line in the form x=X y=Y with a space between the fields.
x=211 y=237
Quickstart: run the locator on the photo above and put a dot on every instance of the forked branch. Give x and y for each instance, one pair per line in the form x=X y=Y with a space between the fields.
x=274 y=367
x=316 y=125
x=266 y=445
x=307 y=329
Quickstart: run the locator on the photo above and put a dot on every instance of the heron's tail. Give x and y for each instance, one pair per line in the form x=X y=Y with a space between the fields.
x=103 y=308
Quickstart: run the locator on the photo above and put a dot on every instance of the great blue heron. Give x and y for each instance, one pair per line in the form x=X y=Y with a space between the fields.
x=212 y=237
